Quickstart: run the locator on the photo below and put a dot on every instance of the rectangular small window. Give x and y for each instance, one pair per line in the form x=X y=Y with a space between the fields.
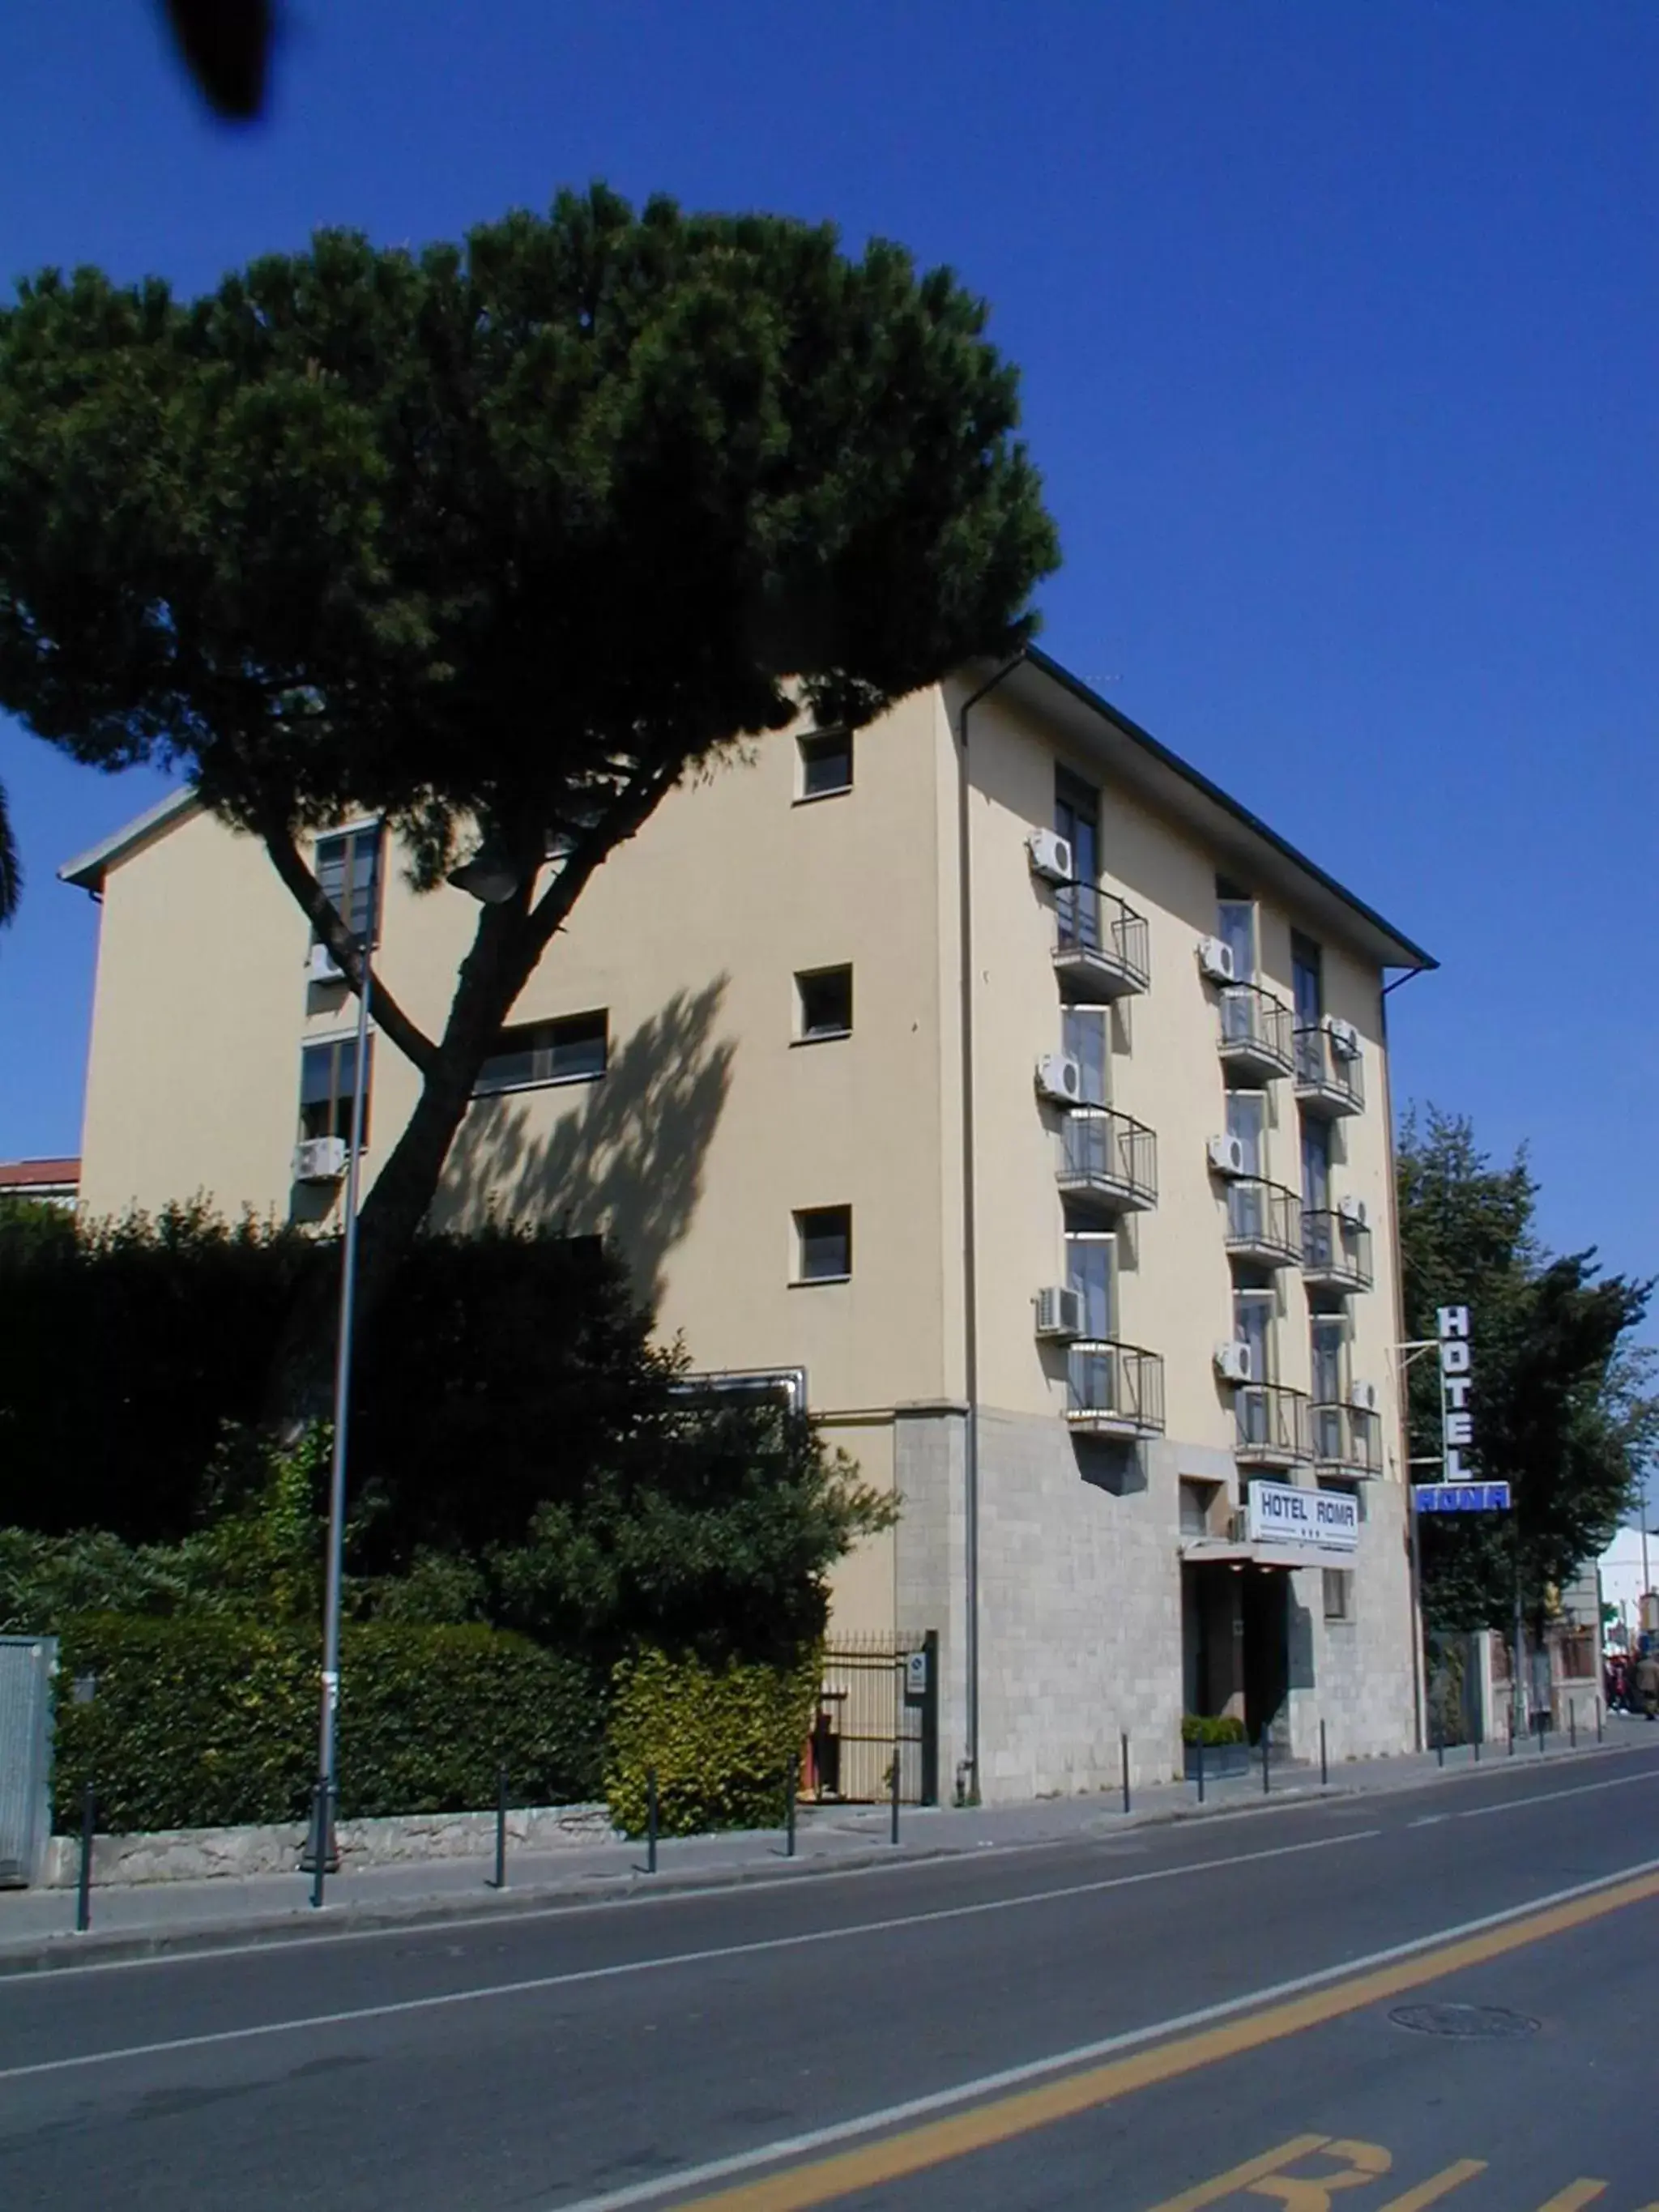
x=1308 y=980
x=826 y=763
x=328 y=1084
x=349 y=872
x=824 y=1244
x=823 y=1002
x=1196 y=1499
x=573 y=1050
x=1339 y=1593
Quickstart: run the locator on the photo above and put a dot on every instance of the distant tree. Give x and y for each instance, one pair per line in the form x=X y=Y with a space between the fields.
x=225 y=45
x=498 y=542
x=1563 y=1402
x=11 y=868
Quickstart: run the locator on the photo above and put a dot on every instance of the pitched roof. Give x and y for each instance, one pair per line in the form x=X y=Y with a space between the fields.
x=38 y=1174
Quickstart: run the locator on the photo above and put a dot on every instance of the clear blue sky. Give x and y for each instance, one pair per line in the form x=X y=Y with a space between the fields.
x=1340 y=329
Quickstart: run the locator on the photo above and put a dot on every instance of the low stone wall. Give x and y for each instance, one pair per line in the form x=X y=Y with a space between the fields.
x=202 y=1854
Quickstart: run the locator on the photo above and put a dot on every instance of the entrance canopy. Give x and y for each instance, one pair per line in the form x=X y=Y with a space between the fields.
x=1226 y=1551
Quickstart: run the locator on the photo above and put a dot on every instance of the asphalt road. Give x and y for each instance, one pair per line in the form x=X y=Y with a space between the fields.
x=1145 y=2021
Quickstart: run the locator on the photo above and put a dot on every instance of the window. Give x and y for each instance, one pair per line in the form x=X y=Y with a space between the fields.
x=1077 y=818
x=1246 y=1120
x=328 y=1084
x=1196 y=1499
x=824 y=1244
x=349 y=872
x=1253 y=1314
x=1091 y=1269
x=573 y=1050
x=1316 y=1166
x=1234 y=925
x=1329 y=1348
x=1308 y=980
x=823 y=1002
x=1083 y=1038
x=826 y=763
x=1339 y=1593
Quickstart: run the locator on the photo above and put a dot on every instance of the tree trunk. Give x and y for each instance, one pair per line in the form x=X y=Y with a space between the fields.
x=390 y=1216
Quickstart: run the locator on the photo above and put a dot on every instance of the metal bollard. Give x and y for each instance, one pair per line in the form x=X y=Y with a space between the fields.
x=1324 y=1760
x=1542 y=1732
x=1598 y=1720
x=1123 y=1742
x=1479 y=1728
x=1572 y=1724
x=500 y=1827
x=1200 y=1748
x=897 y=1756
x=83 y=1890
x=792 y=1783
x=1512 y=1731
x=320 y=1839
x=1440 y=1746
x=1264 y=1762
x=651 y=1819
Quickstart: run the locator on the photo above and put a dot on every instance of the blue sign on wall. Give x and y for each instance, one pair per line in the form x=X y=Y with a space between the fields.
x=1460 y=1497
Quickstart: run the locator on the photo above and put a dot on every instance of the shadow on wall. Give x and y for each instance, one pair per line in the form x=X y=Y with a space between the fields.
x=628 y=1163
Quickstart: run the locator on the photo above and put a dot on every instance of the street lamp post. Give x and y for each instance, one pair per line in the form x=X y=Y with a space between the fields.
x=321 y=1852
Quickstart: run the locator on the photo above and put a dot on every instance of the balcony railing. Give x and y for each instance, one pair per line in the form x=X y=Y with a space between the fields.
x=1103 y=947
x=1114 y=1390
x=1270 y=1424
x=1257 y=1031
x=1347 y=1440
x=1327 y=1082
x=1336 y=1253
x=1264 y=1223
x=1107 y=1161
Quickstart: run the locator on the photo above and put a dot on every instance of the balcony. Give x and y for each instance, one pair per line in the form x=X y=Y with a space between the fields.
x=1270 y=1426
x=1330 y=1083
x=1113 y=1390
x=1256 y=1037
x=1347 y=1441
x=1336 y=1253
x=1103 y=947
x=1264 y=1223
x=1107 y=1164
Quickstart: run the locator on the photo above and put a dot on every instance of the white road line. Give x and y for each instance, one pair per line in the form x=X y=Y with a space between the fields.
x=538 y=1983
x=511 y=1915
x=687 y=2177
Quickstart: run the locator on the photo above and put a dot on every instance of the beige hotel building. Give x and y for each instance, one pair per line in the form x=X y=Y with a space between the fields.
x=990 y=1073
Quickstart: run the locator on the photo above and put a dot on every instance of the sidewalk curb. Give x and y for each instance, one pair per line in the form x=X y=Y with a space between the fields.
x=62 y=1950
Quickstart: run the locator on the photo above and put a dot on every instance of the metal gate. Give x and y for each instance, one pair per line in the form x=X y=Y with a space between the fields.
x=878 y=1702
x=25 y=1670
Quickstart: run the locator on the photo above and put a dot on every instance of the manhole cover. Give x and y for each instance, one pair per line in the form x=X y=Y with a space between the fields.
x=1466 y=2023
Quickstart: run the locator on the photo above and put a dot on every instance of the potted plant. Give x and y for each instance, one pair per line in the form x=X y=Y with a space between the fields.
x=1226 y=1749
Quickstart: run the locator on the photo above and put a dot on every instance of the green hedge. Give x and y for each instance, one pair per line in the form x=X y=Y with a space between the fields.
x=1209 y=1730
x=721 y=1740
x=205 y=1723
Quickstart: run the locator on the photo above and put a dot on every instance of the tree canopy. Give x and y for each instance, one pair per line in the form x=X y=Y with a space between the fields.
x=495 y=541
x=1563 y=1402
x=11 y=869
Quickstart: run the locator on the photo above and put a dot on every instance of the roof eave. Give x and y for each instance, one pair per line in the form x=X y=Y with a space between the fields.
x=1389 y=946
x=87 y=870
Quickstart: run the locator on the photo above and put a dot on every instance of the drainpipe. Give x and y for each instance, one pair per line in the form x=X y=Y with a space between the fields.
x=967 y=1790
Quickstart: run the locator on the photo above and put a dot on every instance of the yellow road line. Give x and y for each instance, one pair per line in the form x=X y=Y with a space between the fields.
x=937 y=2141
x=1436 y=2186
x=1575 y=2196
x=1241 y=2176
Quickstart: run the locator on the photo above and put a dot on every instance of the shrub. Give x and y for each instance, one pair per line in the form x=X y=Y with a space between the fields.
x=1211 y=1730
x=721 y=1740
x=209 y=1722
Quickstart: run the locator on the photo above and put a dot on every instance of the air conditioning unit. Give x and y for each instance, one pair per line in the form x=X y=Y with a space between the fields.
x=1215 y=957
x=1363 y=1397
x=322 y=967
x=1051 y=856
x=1227 y=1155
x=1235 y=1362
x=1059 y=1314
x=1344 y=1040
x=1059 y=1077
x=1353 y=1211
x=319 y=1159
